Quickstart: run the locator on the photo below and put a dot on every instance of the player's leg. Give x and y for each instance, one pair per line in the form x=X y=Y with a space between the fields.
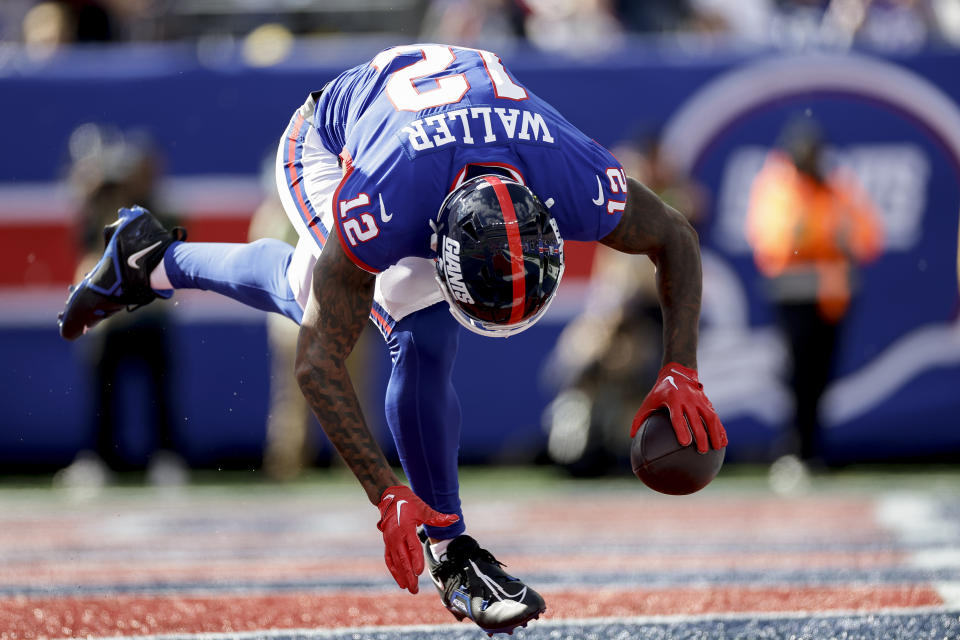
x=421 y=406
x=422 y=409
x=135 y=244
x=423 y=414
x=269 y=274
x=143 y=260
x=253 y=273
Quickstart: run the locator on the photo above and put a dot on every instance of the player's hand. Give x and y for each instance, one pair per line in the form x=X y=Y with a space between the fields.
x=678 y=389
x=401 y=512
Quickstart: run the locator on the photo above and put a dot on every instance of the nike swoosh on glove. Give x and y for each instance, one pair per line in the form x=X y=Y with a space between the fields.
x=678 y=389
x=401 y=512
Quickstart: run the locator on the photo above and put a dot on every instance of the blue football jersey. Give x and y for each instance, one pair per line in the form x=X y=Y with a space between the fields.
x=410 y=123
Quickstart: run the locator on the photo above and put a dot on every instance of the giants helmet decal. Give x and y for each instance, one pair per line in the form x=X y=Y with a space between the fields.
x=499 y=255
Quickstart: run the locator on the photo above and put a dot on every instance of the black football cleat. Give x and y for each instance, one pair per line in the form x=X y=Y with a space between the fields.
x=472 y=585
x=135 y=245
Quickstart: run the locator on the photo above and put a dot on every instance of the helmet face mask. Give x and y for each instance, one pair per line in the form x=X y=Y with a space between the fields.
x=499 y=256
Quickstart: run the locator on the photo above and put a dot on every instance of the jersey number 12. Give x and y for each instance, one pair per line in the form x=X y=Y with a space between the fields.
x=405 y=95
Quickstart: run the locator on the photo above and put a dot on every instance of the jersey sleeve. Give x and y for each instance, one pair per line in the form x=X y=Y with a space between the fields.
x=589 y=190
x=377 y=219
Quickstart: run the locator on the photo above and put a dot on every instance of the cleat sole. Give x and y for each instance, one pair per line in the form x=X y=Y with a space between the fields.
x=510 y=629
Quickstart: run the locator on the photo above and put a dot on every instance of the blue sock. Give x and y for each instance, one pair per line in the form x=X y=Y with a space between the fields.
x=254 y=274
x=423 y=412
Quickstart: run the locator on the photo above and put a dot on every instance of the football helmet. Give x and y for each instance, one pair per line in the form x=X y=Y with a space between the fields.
x=499 y=255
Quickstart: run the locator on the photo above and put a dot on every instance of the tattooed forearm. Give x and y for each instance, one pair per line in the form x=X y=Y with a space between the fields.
x=335 y=315
x=651 y=227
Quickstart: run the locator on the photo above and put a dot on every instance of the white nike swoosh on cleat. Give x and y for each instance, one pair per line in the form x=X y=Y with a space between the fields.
x=494 y=587
x=436 y=581
x=134 y=257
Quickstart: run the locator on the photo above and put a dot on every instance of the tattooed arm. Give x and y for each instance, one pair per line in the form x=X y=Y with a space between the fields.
x=339 y=303
x=652 y=227
x=337 y=309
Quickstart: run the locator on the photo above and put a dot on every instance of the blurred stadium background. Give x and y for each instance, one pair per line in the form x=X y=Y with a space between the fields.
x=180 y=103
x=206 y=85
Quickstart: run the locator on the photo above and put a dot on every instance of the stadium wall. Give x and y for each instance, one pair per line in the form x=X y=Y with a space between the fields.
x=895 y=121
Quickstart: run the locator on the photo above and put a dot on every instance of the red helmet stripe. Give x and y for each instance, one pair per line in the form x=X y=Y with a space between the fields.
x=516 y=248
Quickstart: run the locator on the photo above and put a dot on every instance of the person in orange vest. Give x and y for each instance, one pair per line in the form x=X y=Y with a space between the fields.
x=810 y=229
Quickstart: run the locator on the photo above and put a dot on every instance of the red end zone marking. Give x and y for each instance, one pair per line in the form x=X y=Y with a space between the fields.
x=25 y=618
x=604 y=603
x=811 y=519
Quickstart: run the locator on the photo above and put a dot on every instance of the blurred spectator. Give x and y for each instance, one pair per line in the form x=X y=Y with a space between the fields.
x=484 y=23
x=93 y=21
x=747 y=22
x=50 y=25
x=608 y=357
x=46 y=28
x=796 y=24
x=645 y=161
x=879 y=24
x=111 y=170
x=895 y=25
x=574 y=26
x=655 y=16
x=289 y=446
x=809 y=228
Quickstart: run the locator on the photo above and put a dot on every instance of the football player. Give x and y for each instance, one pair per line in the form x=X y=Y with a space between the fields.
x=449 y=188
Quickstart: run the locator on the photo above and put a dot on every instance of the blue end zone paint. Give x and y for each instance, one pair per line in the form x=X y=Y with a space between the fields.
x=895 y=625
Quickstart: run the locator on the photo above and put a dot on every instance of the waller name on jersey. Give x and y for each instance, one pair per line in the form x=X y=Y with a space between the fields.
x=474 y=125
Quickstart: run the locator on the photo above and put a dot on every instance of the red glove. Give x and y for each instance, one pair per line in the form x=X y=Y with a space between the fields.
x=678 y=389
x=401 y=512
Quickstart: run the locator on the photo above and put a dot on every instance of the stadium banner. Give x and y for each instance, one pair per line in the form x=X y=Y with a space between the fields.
x=894 y=122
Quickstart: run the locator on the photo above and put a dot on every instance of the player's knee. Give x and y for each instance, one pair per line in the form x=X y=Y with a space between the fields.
x=269 y=248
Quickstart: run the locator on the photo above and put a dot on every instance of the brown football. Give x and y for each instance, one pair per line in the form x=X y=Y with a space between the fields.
x=665 y=466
